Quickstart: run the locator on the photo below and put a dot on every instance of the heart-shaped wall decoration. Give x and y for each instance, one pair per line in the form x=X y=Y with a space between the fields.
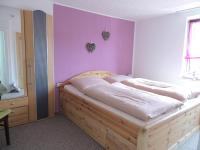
x=105 y=35
x=90 y=47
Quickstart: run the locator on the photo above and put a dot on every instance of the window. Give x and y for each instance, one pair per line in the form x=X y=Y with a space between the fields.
x=2 y=56
x=8 y=57
x=192 y=55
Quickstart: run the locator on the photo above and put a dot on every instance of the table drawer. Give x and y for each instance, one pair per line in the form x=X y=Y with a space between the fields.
x=17 y=120
x=19 y=102
x=19 y=111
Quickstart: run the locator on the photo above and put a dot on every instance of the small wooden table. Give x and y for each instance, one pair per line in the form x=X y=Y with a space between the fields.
x=4 y=118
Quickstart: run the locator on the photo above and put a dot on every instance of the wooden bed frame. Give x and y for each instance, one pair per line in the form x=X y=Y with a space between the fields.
x=114 y=132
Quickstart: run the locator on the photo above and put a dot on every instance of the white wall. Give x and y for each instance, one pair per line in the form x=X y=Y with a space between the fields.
x=159 y=46
x=44 y=5
x=10 y=18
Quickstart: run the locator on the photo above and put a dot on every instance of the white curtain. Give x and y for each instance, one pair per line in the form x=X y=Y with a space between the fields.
x=10 y=23
x=3 y=77
x=8 y=60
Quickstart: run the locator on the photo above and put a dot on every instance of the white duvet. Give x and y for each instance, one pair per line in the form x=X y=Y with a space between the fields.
x=161 y=88
x=140 y=104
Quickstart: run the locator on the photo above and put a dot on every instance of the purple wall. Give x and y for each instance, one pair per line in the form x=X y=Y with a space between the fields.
x=74 y=28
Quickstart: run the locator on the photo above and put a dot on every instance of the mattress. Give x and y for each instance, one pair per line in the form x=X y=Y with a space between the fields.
x=187 y=105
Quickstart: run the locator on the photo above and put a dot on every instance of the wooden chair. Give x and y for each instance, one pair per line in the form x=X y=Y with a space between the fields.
x=4 y=118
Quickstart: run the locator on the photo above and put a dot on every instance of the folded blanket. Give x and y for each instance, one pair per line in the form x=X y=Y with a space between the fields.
x=140 y=104
x=161 y=88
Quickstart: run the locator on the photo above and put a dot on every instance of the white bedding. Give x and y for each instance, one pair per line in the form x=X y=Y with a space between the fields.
x=161 y=88
x=140 y=104
x=144 y=124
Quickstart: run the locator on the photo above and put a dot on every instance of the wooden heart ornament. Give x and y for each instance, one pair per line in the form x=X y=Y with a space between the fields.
x=90 y=47
x=105 y=35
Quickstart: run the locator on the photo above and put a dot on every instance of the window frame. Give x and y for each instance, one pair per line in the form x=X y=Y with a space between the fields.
x=185 y=73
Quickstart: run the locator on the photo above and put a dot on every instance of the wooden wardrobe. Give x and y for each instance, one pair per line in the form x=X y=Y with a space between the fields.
x=41 y=103
x=38 y=101
x=39 y=65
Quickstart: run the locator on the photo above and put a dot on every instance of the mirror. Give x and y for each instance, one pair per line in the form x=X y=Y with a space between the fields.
x=12 y=54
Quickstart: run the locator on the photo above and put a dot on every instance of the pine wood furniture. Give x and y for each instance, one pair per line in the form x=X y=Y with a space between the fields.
x=30 y=64
x=19 y=105
x=114 y=132
x=24 y=109
x=19 y=110
x=4 y=118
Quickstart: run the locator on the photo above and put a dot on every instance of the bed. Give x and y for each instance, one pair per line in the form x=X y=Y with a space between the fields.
x=115 y=130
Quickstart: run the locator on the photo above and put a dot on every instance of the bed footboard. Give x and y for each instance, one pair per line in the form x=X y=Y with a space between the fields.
x=170 y=133
x=109 y=130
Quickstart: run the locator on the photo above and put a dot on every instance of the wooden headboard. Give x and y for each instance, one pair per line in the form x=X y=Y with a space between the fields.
x=99 y=74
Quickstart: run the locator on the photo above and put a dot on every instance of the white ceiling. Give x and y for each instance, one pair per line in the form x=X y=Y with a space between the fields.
x=125 y=9
x=130 y=9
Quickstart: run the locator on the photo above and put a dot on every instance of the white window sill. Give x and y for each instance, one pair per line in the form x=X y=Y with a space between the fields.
x=191 y=77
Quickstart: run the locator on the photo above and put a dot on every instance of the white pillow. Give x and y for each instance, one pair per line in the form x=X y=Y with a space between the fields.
x=117 y=78
x=84 y=83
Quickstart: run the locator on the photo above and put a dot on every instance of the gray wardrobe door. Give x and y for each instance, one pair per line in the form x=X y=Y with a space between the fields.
x=40 y=45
